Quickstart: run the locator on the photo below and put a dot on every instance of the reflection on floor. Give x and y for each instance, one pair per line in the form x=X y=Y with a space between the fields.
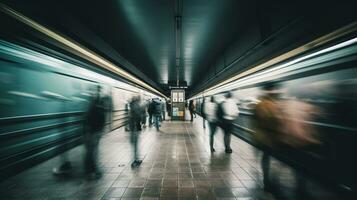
x=176 y=164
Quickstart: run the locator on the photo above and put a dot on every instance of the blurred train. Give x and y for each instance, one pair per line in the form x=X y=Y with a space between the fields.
x=325 y=80
x=43 y=100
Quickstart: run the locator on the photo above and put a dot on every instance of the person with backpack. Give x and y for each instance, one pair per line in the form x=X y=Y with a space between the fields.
x=157 y=112
x=227 y=113
x=210 y=110
x=95 y=121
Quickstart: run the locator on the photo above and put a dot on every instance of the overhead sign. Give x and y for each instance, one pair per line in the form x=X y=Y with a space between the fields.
x=178 y=87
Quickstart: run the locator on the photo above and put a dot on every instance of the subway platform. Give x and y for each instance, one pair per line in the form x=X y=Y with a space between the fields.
x=177 y=164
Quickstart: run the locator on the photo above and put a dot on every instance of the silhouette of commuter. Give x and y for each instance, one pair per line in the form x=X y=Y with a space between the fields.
x=268 y=123
x=191 y=108
x=157 y=112
x=168 y=107
x=210 y=113
x=95 y=121
x=135 y=118
x=151 y=111
x=203 y=113
x=163 y=110
x=227 y=113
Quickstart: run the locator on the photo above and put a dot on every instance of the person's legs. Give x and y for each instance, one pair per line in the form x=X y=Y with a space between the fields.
x=191 y=113
x=89 y=156
x=212 y=127
x=134 y=142
x=227 y=136
x=65 y=165
x=134 y=138
x=94 y=156
x=157 y=121
x=143 y=121
x=266 y=168
x=150 y=119
x=163 y=115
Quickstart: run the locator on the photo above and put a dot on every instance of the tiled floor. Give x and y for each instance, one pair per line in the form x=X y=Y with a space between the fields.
x=176 y=164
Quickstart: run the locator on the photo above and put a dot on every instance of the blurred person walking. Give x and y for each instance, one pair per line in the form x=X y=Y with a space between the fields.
x=210 y=113
x=203 y=113
x=95 y=121
x=157 y=112
x=227 y=113
x=145 y=106
x=191 y=108
x=268 y=125
x=135 y=118
x=168 y=107
x=150 y=111
x=163 y=109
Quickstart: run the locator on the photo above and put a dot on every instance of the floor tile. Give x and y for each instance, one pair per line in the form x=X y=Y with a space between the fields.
x=176 y=164
x=133 y=192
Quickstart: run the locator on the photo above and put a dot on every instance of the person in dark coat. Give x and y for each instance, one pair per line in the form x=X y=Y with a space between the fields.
x=191 y=108
x=157 y=111
x=95 y=121
x=150 y=111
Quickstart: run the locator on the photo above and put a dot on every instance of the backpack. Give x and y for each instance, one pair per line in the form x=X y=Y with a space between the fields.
x=136 y=111
x=157 y=107
x=230 y=109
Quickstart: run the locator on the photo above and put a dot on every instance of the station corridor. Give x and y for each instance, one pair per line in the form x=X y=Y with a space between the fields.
x=177 y=164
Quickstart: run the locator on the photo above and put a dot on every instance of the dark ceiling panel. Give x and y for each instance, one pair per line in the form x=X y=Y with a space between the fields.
x=215 y=33
x=152 y=22
x=208 y=27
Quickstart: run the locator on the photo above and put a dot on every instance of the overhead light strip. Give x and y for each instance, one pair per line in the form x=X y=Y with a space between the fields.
x=77 y=48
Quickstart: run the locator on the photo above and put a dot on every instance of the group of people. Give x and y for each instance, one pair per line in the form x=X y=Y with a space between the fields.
x=223 y=115
x=139 y=112
x=270 y=124
x=152 y=112
x=267 y=121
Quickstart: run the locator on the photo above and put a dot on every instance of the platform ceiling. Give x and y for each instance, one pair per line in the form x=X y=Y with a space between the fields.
x=214 y=34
